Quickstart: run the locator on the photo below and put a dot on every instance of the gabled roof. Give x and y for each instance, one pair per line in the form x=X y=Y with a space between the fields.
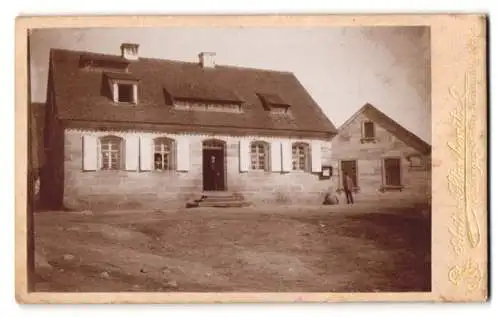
x=81 y=96
x=390 y=125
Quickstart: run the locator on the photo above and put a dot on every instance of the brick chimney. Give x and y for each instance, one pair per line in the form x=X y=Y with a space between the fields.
x=207 y=59
x=130 y=51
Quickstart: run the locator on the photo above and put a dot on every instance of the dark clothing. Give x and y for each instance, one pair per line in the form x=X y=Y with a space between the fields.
x=348 y=195
x=348 y=187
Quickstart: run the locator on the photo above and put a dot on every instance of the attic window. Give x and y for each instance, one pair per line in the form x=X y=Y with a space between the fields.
x=126 y=93
x=123 y=87
x=210 y=106
x=274 y=103
x=279 y=110
x=368 y=132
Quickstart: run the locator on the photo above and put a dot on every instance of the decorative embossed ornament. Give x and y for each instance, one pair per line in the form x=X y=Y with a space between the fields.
x=467 y=274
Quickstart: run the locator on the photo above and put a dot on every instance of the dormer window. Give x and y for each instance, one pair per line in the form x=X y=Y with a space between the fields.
x=279 y=110
x=198 y=97
x=123 y=87
x=274 y=103
x=126 y=93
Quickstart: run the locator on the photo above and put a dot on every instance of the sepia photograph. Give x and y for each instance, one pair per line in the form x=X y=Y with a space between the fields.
x=230 y=159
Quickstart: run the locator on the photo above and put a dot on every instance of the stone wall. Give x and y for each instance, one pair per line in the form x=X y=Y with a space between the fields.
x=171 y=189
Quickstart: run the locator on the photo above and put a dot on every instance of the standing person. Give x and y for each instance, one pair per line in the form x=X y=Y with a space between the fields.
x=348 y=186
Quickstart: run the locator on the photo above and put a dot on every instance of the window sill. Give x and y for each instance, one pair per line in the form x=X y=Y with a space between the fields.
x=162 y=171
x=251 y=171
x=300 y=171
x=368 y=140
x=387 y=188
x=123 y=103
x=416 y=168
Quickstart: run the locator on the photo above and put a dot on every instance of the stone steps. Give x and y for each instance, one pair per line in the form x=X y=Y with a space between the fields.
x=219 y=200
x=223 y=204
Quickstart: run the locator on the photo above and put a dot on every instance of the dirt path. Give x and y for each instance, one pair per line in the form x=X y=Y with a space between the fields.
x=360 y=249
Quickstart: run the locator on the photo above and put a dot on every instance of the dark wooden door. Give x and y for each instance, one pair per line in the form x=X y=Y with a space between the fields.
x=392 y=170
x=351 y=169
x=213 y=170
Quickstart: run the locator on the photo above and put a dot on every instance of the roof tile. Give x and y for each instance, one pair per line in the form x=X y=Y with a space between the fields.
x=81 y=95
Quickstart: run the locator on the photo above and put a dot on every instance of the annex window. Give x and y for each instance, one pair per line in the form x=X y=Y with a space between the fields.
x=392 y=172
x=350 y=167
x=111 y=152
x=368 y=131
x=416 y=162
x=164 y=154
x=259 y=156
x=300 y=156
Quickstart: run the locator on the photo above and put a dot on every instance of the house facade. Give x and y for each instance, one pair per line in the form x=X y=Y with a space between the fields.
x=383 y=159
x=125 y=131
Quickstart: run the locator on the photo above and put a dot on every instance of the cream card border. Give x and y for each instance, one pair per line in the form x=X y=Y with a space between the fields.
x=459 y=158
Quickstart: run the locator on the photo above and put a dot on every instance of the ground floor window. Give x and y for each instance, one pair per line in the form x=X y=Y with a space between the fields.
x=392 y=171
x=111 y=153
x=164 y=154
x=300 y=156
x=350 y=167
x=259 y=156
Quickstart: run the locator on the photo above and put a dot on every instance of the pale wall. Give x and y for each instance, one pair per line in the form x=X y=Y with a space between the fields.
x=133 y=189
x=347 y=146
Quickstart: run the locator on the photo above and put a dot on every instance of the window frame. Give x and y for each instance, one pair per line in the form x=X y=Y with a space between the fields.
x=171 y=154
x=265 y=153
x=120 y=151
x=115 y=90
x=416 y=167
x=307 y=157
x=341 y=175
x=130 y=98
x=386 y=186
x=364 y=137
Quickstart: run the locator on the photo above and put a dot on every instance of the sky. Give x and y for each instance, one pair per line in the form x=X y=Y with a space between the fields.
x=342 y=68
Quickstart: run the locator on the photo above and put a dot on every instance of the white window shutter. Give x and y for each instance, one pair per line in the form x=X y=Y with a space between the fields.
x=286 y=156
x=146 y=153
x=115 y=92
x=316 y=156
x=244 y=155
x=131 y=152
x=275 y=156
x=183 y=154
x=136 y=94
x=90 y=153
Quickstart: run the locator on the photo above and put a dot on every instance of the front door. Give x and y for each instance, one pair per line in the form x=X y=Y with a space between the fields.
x=350 y=168
x=213 y=166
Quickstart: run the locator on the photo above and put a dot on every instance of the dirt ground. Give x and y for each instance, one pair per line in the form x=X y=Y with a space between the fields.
x=358 y=248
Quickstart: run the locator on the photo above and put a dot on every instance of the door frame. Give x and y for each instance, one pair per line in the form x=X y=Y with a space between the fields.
x=214 y=144
x=341 y=175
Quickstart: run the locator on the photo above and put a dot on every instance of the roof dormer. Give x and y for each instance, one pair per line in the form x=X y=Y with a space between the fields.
x=123 y=87
x=274 y=103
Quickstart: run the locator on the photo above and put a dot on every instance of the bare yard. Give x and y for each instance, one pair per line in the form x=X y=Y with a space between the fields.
x=337 y=249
